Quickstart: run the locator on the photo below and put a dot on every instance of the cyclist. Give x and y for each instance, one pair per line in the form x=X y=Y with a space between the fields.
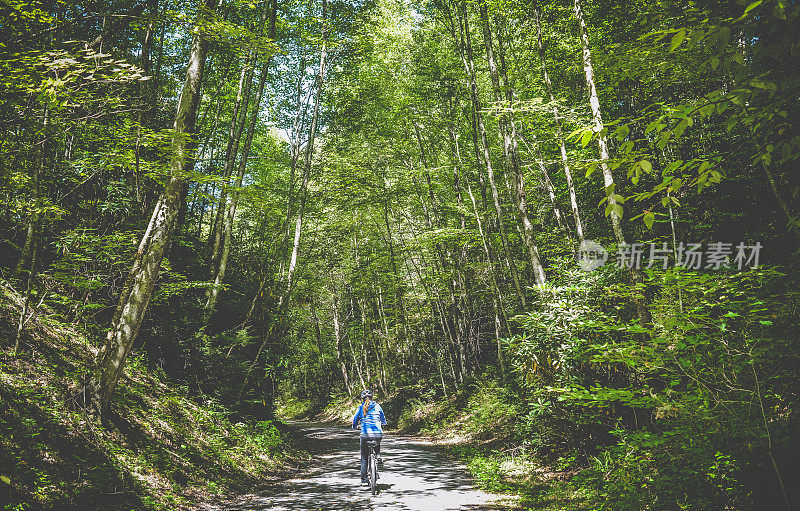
x=371 y=416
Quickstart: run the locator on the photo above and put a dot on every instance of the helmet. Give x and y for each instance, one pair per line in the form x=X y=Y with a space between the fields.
x=366 y=394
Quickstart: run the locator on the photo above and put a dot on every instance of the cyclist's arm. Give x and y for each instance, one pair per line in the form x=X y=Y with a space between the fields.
x=357 y=418
x=383 y=417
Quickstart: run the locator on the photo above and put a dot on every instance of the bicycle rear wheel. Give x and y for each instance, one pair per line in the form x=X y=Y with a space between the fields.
x=373 y=474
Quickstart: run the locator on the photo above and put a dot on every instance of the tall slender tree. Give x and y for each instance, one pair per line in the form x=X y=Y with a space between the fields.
x=573 y=197
x=508 y=135
x=608 y=178
x=309 y=154
x=464 y=43
x=233 y=197
x=136 y=293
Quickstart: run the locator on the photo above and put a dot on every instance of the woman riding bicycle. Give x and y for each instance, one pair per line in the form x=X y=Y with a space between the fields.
x=371 y=416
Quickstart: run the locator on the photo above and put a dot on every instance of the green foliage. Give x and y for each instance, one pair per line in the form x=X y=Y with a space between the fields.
x=159 y=448
x=687 y=408
x=751 y=108
x=401 y=279
x=86 y=270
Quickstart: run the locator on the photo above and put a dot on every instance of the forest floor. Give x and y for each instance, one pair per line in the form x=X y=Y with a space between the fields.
x=159 y=448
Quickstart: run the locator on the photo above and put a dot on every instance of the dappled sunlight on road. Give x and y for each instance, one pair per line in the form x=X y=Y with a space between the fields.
x=414 y=477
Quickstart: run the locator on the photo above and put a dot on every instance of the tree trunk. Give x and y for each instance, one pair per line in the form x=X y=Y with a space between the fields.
x=139 y=286
x=298 y=125
x=208 y=146
x=573 y=198
x=379 y=355
x=31 y=238
x=307 y=162
x=233 y=198
x=608 y=177
x=356 y=364
x=597 y=119
x=457 y=178
x=551 y=192
x=792 y=220
x=469 y=68
x=439 y=357
x=424 y=159
x=27 y=248
x=398 y=289
x=120 y=23
x=145 y=96
x=444 y=256
x=486 y=249
x=32 y=225
x=508 y=137
x=231 y=150
x=338 y=337
x=23 y=315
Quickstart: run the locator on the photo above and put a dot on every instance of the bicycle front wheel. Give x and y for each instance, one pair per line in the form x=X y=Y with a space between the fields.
x=373 y=474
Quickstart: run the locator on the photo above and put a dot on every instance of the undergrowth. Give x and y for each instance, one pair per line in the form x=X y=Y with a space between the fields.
x=160 y=448
x=483 y=424
x=479 y=413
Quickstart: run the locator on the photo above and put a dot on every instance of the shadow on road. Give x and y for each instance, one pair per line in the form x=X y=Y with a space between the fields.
x=414 y=477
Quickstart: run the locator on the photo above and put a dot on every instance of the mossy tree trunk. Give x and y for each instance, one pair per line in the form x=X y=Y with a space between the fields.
x=136 y=293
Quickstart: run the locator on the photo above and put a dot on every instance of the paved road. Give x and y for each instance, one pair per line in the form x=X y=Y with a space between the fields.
x=414 y=477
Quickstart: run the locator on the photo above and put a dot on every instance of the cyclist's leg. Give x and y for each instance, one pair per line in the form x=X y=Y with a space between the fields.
x=378 y=451
x=364 y=458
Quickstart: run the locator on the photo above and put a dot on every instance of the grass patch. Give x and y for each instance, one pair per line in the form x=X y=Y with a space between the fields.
x=521 y=475
x=481 y=425
x=337 y=408
x=480 y=413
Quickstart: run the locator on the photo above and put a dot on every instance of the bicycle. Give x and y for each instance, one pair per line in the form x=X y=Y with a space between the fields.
x=372 y=467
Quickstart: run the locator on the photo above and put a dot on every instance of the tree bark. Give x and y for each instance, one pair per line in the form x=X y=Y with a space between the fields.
x=469 y=68
x=233 y=197
x=139 y=286
x=25 y=256
x=573 y=198
x=608 y=178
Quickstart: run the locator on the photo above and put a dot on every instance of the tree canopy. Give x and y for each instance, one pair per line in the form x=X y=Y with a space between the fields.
x=275 y=201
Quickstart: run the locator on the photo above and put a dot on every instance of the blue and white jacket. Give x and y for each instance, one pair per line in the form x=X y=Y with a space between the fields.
x=371 y=421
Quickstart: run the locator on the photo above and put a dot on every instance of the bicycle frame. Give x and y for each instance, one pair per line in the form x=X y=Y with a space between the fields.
x=372 y=467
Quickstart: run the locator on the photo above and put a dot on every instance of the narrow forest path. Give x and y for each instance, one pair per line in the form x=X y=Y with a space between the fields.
x=415 y=477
